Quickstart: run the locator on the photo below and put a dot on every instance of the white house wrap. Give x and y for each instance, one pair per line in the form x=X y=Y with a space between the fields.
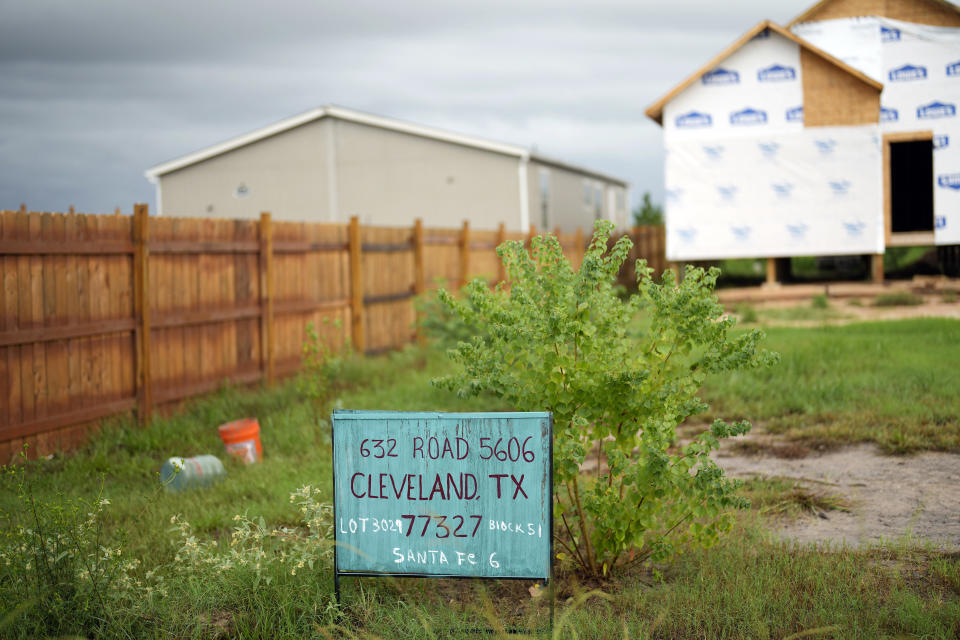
x=762 y=161
x=920 y=68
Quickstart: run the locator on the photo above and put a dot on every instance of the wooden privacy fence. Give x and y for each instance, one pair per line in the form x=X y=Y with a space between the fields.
x=103 y=314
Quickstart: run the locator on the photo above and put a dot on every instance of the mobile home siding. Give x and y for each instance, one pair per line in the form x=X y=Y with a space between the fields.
x=286 y=174
x=568 y=208
x=389 y=178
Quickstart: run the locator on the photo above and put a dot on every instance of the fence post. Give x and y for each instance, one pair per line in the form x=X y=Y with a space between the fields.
x=661 y=249
x=532 y=231
x=578 y=241
x=464 y=254
x=266 y=298
x=141 y=311
x=356 y=286
x=501 y=238
x=419 y=286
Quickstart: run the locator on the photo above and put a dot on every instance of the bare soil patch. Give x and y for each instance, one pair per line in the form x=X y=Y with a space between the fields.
x=889 y=496
x=862 y=310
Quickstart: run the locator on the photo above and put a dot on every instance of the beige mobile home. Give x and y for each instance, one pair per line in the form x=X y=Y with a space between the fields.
x=330 y=164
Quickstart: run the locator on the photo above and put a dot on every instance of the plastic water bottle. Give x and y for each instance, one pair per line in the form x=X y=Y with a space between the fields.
x=178 y=474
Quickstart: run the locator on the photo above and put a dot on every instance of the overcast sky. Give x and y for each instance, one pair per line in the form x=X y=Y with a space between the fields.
x=92 y=93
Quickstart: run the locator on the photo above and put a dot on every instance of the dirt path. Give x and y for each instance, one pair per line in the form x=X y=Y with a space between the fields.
x=890 y=496
x=845 y=313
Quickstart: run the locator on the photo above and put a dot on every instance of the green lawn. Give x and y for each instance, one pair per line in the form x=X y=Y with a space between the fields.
x=894 y=383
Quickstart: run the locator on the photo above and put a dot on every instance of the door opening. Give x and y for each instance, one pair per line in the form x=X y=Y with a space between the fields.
x=911 y=186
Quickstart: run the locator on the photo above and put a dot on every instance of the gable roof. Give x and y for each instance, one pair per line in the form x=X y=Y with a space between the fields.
x=655 y=111
x=341 y=114
x=804 y=17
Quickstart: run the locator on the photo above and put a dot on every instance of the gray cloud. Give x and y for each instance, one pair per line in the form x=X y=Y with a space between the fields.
x=92 y=93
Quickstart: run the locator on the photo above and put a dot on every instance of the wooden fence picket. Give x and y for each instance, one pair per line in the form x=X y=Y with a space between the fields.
x=104 y=314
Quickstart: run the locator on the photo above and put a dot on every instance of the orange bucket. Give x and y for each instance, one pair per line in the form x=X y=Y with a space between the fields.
x=242 y=439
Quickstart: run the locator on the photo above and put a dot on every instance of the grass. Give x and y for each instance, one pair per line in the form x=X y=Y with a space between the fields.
x=897 y=299
x=892 y=383
x=840 y=383
x=789 y=498
x=818 y=311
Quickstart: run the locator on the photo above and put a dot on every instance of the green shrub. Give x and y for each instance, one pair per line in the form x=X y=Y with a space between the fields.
x=560 y=340
x=256 y=548
x=897 y=299
x=322 y=366
x=63 y=570
x=440 y=324
x=820 y=301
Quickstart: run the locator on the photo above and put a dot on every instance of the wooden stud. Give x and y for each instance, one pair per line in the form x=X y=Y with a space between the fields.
x=267 y=338
x=464 y=254
x=356 y=286
x=141 y=310
x=887 y=193
x=771 y=272
x=876 y=268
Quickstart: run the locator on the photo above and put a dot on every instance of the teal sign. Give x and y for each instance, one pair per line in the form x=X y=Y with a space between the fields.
x=443 y=494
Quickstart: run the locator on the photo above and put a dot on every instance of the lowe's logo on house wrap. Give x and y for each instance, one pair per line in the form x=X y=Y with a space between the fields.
x=727 y=193
x=782 y=189
x=687 y=235
x=776 y=73
x=949 y=181
x=840 y=187
x=889 y=115
x=854 y=229
x=769 y=149
x=795 y=114
x=741 y=234
x=748 y=117
x=889 y=34
x=908 y=72
x=693 y=120
x=953 y=69
x=941 y=141
x=825 y=147
x=720 y=76
x=797 y=231
x=714 y=152
x=936 y=109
